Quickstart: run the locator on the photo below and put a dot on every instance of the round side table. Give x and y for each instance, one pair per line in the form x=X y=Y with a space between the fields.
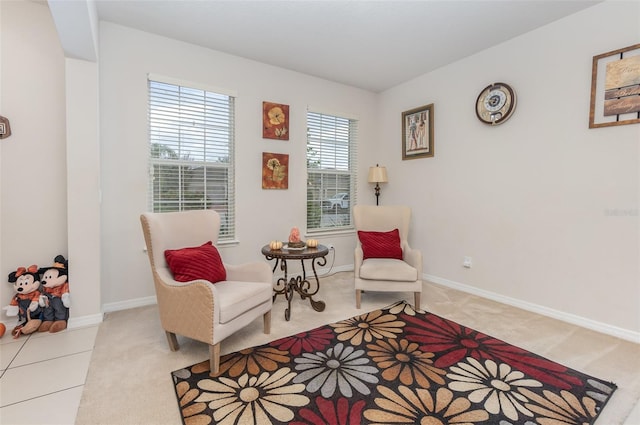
x=300 y=283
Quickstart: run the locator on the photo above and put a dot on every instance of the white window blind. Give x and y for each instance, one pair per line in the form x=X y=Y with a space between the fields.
x=191 y=146
x=331 y=171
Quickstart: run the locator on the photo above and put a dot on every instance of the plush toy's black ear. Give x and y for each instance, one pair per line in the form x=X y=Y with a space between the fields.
x=12 y=277
x=60 y=259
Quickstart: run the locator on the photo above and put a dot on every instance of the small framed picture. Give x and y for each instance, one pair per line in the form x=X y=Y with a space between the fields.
x=275 y=121
x=275 y=170
x=417 y=133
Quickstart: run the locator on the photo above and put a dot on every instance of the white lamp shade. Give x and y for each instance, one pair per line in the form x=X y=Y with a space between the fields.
x=377 y=174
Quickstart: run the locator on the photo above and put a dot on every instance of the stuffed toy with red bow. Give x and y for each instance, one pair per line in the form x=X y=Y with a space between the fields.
x=56 y=299
x=26 y=302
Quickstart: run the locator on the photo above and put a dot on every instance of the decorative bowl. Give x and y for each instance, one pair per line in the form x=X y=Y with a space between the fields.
x=300 y=244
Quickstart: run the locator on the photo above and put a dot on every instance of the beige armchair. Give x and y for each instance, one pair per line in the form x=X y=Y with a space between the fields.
x=386 y=274
x=198 y=309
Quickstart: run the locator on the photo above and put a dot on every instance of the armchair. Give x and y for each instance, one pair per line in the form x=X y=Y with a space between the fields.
x=199 y=309
x=386 y=274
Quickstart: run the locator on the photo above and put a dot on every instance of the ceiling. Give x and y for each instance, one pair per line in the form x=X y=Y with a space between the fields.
x=373 y=45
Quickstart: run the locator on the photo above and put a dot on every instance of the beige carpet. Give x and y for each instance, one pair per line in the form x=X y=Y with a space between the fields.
x=129 y=379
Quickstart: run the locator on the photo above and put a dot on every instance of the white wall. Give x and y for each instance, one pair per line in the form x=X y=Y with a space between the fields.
x=126 y=57
x=33 y=190
x=83 y=183
x=529 y=200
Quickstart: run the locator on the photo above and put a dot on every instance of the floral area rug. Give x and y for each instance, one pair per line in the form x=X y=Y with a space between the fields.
x=391 y=366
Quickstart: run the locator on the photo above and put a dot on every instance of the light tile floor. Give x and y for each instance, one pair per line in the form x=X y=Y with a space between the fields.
x=42 y=376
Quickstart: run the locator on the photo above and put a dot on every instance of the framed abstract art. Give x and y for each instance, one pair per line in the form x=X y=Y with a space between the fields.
x=615 y=88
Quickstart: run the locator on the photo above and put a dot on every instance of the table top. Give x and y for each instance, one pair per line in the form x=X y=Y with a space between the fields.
x=295 y=253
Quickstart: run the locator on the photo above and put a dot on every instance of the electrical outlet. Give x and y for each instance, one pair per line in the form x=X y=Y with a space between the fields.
x=466 y=262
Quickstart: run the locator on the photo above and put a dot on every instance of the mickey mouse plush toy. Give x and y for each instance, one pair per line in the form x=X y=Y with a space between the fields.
x=55 y=287
x=25 y=303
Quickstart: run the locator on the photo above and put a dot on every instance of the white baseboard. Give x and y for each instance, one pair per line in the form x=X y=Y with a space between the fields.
x=133 y=303
x=82 y=321
x=73 y=322
x=333 y=270
x=605 y=328
x=96 y=319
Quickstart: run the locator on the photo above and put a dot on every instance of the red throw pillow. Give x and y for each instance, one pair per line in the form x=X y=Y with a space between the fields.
x=198 y=262
x=381 y=244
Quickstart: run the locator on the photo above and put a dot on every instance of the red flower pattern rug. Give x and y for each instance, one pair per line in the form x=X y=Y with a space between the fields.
x=395 y=365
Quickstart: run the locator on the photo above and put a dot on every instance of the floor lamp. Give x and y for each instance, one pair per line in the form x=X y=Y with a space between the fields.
x=377 y=175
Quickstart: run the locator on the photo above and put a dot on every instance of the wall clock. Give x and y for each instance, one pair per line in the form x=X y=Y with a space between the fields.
x=495 y=103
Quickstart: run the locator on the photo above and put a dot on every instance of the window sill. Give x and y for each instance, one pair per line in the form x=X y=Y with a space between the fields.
x=321 y=233
x=233 y=242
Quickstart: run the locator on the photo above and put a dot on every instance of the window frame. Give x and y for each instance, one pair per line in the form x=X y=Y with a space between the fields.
x=320 y=187
x=199 y=126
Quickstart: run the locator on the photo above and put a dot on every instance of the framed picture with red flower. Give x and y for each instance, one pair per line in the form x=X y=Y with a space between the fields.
x=275 y=170
x=275 y=121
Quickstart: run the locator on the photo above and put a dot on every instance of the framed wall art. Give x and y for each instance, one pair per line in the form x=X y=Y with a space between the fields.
x=275 y=170
x=615 y=88
x=5 y=128
x=417 y=133
x=275 y=121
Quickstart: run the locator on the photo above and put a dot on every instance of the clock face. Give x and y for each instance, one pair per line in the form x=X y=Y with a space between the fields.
x=495 y=100
x=495 y=104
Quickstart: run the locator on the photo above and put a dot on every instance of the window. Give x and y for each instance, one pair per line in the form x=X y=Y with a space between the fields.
x=191 y=164
x=331 y=171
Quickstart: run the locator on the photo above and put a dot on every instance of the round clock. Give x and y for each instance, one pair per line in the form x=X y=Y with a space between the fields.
x=495 y=103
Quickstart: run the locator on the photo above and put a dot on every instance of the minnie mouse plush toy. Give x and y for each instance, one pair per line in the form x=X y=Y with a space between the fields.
x=25 y=303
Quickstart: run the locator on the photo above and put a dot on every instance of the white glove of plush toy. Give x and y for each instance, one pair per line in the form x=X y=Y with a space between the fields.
x=66 y=299
x=33 y=306
x=43 y=301
x=12 y=310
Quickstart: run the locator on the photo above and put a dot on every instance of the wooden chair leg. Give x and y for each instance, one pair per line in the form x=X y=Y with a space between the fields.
x=214 y=359
x=358 y=297
x=416 y=296
x=173 y=341
x=266 y=318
